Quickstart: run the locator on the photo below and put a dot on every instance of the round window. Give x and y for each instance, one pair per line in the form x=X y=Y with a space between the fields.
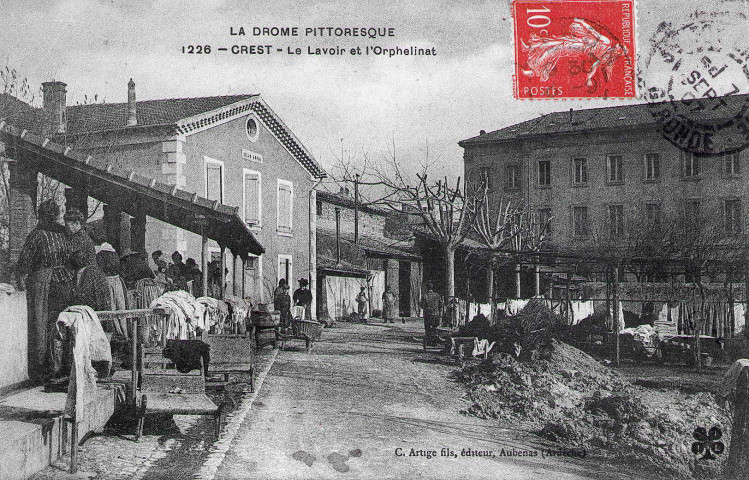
x=253 y=128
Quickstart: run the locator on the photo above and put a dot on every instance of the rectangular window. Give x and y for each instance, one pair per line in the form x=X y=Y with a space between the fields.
x=513 y=177
x=732 y=165
x=544 y=173
x=652 y=167
x=616 y=220
x=485 y=177
x=285 y=269
x=319 y=208
x=544 y=220
x=691 y=165
x=653 y=215
x=732 y=215
x=285 y=205
x=580 y=171
x=214 y=179
x=580 y=221
x=614 y=169
x=252 y=197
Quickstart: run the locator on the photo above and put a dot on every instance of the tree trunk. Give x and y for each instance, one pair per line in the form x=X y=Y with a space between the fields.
x=615 y=316
x=450 y=279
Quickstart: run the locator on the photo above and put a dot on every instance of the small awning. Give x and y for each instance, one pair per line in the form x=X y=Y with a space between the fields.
x=131 y=192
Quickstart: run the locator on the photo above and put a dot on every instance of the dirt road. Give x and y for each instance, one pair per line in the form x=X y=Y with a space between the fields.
x=369 y=403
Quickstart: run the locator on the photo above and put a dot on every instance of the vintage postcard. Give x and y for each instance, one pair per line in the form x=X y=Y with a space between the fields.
x=353 y=239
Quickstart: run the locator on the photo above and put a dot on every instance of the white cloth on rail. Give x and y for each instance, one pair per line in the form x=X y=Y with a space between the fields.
x=580 y=309
x=187 y=313
x=90 y=344
x=514 y=306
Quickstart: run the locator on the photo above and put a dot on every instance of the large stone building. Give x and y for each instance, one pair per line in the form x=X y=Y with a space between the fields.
x=606 y=170
x=233 y=150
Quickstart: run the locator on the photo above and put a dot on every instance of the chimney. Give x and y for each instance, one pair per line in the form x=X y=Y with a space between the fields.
x=132 y=117
x=54 y=103
x=482 y=132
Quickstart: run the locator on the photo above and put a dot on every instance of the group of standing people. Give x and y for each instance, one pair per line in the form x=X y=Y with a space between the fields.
x=389 y=305
x=59 y=266
x=283 y=302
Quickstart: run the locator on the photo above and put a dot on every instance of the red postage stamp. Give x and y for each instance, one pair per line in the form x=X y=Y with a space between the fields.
x=574 y=49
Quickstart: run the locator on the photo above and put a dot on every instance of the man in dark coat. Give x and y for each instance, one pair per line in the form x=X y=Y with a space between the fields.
x=303 y=297
x=44 y=269
x=433 y=306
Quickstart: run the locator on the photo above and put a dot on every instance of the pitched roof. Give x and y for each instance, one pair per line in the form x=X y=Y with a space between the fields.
x=579 y=121
x=183 y=115
x=111 y=116
x=348 y=202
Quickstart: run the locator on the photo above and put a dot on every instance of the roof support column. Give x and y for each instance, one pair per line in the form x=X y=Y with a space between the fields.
x=138 y=233
x=244 y=277
x=237 y=266
x=22 y=203
x=112 y=224
x=222 y=272
x=203 y=254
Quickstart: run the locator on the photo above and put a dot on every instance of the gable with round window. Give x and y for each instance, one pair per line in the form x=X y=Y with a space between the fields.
x=252 y=128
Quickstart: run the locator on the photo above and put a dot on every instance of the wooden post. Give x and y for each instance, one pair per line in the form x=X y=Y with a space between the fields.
x=615 y=292
x=517 y=280
x=204 y=258
x=235 y=286
x=222 y=275
x=567 y=305
x=134 y=359
x=537 y=271
x=738 y=453
x=244 y=277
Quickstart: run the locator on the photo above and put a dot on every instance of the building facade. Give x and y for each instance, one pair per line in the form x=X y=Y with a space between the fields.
x=233 y=150
x=604 y=171
x=364 y=245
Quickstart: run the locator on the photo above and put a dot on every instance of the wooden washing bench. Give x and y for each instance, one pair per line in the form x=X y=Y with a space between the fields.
x=171 y=392
x=231 y=355
x=306 y=330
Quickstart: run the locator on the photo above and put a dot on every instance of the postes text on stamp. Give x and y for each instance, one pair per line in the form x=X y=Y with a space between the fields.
x=574 y=49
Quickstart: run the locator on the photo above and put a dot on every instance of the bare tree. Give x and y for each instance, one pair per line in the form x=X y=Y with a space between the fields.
x=509 y=231
x=441 y=206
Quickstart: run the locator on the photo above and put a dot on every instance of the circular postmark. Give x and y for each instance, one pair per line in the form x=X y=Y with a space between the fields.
x=695 y=79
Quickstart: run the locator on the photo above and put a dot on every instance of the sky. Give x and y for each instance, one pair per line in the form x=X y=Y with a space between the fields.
x=361 y=104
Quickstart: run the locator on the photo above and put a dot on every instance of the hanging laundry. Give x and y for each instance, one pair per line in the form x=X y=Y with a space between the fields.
x=90 y=346
x=514 y=306
x=581 y=309
x=187 y=314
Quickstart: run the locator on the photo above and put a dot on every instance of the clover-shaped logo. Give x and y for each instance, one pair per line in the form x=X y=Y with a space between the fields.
x=708 y=442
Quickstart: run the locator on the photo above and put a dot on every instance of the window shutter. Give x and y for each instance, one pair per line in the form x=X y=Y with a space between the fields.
x=284 y=206
x=252 y=199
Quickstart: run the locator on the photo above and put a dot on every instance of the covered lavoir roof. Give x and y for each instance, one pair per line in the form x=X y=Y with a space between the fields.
x=130 y=191
x=592 y=119
x=173 y=115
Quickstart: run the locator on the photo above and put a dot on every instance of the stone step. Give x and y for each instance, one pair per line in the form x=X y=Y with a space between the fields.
x=32 y=431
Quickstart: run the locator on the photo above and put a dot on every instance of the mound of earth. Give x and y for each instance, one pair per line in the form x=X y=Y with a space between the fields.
x=570 y=398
